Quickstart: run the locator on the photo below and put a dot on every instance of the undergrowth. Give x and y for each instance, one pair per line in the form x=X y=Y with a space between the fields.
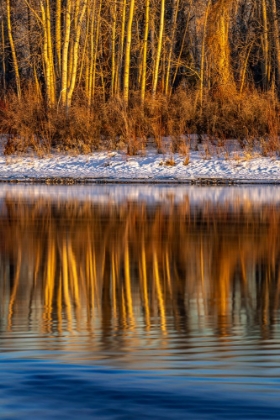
x=29 y=125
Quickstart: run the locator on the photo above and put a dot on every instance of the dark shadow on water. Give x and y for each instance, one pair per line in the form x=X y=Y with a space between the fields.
x=53 y=391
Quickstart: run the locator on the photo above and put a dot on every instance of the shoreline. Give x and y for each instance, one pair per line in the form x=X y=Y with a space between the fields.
x=200 y=181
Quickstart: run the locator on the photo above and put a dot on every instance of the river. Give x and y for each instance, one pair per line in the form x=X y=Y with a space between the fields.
x=136 y=301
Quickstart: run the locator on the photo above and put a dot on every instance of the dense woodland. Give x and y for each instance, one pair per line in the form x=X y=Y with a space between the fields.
x=82 y=73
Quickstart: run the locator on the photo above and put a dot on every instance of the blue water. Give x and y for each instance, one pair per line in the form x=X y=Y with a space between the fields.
x=36 y=389
x=131 y=309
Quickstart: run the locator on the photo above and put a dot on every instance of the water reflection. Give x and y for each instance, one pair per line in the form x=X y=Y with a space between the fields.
x=79 y=267
x=139 y=302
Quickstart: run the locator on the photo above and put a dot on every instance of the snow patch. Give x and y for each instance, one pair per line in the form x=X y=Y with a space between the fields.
x=152 y=166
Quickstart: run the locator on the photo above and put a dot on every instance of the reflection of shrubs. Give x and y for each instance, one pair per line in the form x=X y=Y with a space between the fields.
x=110 y=124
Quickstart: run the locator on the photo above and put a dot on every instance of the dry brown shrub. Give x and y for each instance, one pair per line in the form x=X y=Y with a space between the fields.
x=184 y=149
x=186 y=160
x=156 y=115
x=170 y=161
x=30 y=125
x=23 y=122
x=76 y=130
x=237 y=115
x=124 y=126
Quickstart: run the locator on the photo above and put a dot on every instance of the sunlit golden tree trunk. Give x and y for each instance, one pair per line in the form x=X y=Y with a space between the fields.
x=266 y=47
x=202 y=57
x=119 y=67
x=145 y=50
x=78 y=20
x=113 y=54
x=65 y=53
x=3 y=42
x=159 y=48
x=48 y=53
x=13 y=48
x=127 y=52
x=218 y=48
x=276 y=43
x=93 y=38
x=58 y=14
x=175 y=9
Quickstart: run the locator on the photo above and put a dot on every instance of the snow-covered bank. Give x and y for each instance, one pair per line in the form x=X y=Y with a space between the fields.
x=117 y=166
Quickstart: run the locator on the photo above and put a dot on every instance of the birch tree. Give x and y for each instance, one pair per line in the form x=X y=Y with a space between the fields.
x=127 y=51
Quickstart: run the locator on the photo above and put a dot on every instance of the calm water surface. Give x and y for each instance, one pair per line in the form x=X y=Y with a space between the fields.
x=137 y=301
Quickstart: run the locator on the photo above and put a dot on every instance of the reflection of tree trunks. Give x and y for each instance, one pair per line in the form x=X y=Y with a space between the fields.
x=50 y=285
x=106 y=305
x=65 y=282
x=159 y=293
x=144 y=283
x=128 y=285
x=170 y=264
x=15 y=282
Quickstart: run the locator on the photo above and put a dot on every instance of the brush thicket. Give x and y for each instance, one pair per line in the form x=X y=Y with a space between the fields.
x=30 y=125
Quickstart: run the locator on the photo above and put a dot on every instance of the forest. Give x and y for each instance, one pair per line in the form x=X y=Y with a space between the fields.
x=85 y=74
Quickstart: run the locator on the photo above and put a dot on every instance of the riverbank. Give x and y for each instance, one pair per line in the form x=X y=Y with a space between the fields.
x=151 y=167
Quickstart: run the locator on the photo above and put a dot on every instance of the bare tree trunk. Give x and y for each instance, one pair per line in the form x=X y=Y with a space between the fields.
x=266 y=58
x=145 y=50
x=276 y=44
x=13 y=48
x=65 y=52
x=171 y=46
x=95 y=49
x=113 y=55
x=178 y=59
x=47 y=64
x=202 y=60
x=79 y=17
x=3 y=57
x=121 y=47
x=127 y=52
x=218 y=46
x=159 y=47
x=49 y=40
x=58 y=36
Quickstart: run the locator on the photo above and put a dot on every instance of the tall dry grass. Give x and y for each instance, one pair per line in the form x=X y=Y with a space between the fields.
x=30 y=125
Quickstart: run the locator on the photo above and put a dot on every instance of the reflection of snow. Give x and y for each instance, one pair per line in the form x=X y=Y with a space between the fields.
x=151 y=194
